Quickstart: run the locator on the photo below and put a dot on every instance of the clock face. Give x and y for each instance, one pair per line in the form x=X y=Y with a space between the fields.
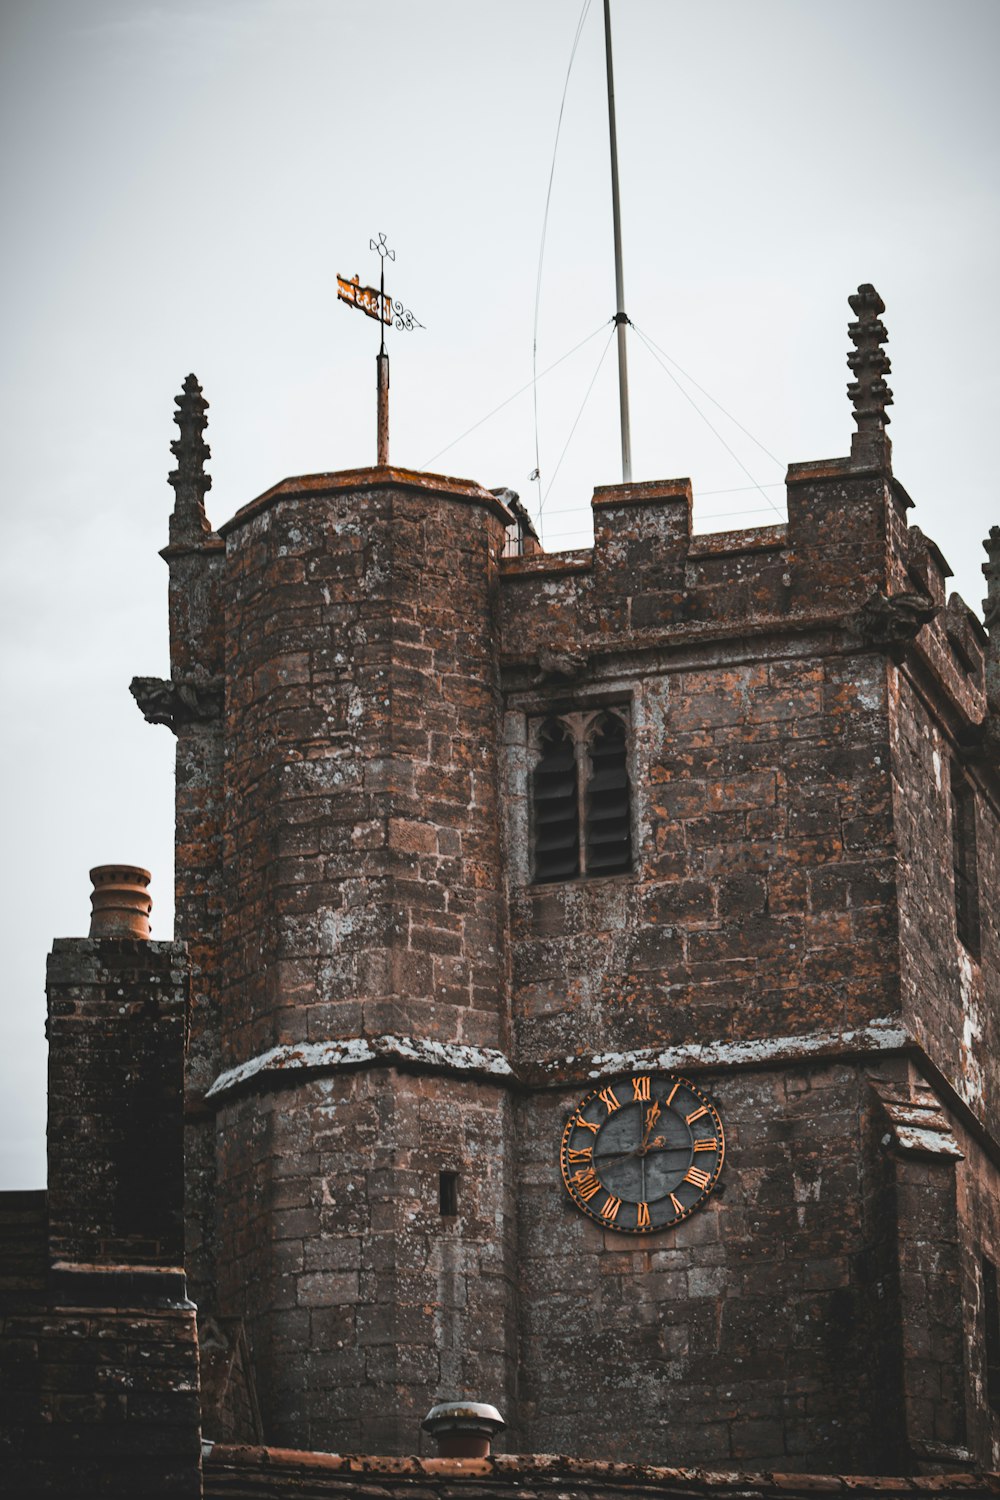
x=642 y=1152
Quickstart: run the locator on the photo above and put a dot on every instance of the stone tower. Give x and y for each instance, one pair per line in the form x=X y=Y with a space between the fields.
x=476 y=841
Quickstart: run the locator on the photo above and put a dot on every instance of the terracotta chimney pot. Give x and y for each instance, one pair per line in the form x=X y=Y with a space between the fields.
x=463 y=1429
x=121 y=902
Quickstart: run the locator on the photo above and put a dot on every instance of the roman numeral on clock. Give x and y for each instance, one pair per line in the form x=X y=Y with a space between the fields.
x=588 y=1184
x=697 y=1177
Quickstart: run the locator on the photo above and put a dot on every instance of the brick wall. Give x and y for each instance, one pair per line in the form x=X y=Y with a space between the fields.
x=748 y=1336
x=117 y=1016
x=762 y=898
x=363 y=869
x=99 y=1389
x=363 y=1302
x=99 y=1401
x=379 y=905
x=948 y=990
x=364 y=886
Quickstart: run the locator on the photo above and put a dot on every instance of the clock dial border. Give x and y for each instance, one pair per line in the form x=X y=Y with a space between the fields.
x=637 y=1093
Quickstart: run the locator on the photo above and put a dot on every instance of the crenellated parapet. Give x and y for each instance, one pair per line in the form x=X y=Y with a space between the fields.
x=846 y=565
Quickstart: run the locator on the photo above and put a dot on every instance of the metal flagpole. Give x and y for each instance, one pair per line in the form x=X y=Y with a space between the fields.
x=621 y=317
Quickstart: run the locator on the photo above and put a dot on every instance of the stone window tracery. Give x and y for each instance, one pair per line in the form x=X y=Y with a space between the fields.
x=581 y=795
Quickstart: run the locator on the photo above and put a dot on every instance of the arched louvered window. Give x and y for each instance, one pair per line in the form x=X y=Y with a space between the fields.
x=607 y=830
x=555 y=803
x=580 y=802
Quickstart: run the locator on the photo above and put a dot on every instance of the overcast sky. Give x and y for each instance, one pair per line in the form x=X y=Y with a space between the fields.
x=181 y=183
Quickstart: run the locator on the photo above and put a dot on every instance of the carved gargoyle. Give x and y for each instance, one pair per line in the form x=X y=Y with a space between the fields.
x=177 y=703
x=561 y=666
x=892 y=620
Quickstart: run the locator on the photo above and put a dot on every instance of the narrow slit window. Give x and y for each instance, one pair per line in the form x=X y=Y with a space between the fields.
x=964 y=860
x=555 y=799
x=991 y=1319
x=448 y=1194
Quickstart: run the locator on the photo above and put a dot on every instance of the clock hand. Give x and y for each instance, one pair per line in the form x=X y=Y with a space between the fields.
x=659 y=1145
x=652 y=1115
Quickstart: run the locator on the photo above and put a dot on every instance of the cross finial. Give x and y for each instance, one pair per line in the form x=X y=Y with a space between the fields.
x=870 y=446
x=188 y=523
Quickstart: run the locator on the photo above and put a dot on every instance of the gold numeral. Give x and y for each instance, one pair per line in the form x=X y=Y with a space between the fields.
x=669 y=1099
x=588 y=1184
x=580 y=1153
x=642 y=1216
x=611 y=1207
x=696 y=1114
x=640 y=1089
x=706 y=1143
x=610 y=1100
x=583 y=1124
x=678 y=1205
x=697 y=1177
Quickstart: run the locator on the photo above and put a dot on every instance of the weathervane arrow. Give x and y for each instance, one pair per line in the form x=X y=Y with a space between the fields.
x=378 y=304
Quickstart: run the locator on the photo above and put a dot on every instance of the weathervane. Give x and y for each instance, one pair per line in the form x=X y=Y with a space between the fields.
x=378 y=304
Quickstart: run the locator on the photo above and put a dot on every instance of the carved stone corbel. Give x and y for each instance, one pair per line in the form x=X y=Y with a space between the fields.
x=561 y=666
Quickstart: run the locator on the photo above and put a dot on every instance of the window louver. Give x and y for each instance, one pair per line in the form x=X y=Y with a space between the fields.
x=608 y=835
x=557 y=839
x=580 y=796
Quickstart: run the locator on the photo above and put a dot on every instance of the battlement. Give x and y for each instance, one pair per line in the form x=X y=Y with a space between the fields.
x=844 y=562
